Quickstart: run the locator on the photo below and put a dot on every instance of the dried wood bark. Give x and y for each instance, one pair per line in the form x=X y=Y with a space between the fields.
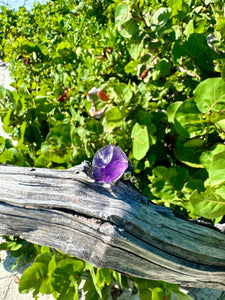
x=110 y=226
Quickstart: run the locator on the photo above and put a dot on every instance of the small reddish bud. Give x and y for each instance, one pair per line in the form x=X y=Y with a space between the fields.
x=63 y=97
x=26 y=61
x=103 y=95
x=109 y=50
x=144 y=74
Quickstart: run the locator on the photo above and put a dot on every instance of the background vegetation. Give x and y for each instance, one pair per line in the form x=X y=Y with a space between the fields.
x=161 y=67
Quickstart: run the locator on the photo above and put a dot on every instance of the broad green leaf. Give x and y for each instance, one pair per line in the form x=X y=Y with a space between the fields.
x=144 y=289
x=72 y=265
x=103 y=276
x=3 y=92
x=210 y=95
x=122 y=14
x=220 y=26
x=140 y=137
x=89 y=289
x=2 y=141
x=175 y=5
x=166 y=182
x=190 y=152
x=160 y=18
x=62 y=46
x=164 y=67
x=221 y=124
x=158 y=294
x=217 y=169
x=34 y=278
x=57 y=147
x=195 y=48
x=208 y=204
x=117 y=276
x=131 y=67
x=113 y=116
x=123 y=93
x=69 y=273
x=7 y=121
x=207 y=156
x=221 y=190
x=141 y=3
x=172 y=109
x=129 y=28
x=7 y=155
x=22 y=133
x=93 y=276
x=188 y=122
x=135 y=47
x=93 y=126
x=44 y=257
x=175 y=289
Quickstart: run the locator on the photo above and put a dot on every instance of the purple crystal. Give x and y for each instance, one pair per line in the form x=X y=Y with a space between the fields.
x=109 y=164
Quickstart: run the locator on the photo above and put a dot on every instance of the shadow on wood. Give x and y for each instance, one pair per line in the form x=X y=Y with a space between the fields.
x=110 y=226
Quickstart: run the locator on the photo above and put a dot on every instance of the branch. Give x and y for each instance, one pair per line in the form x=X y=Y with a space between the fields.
x=110 y=226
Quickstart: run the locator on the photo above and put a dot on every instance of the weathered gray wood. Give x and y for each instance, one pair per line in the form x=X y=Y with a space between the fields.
x=111 y=226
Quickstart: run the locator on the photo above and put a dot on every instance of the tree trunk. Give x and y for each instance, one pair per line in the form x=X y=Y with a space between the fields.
x=110 y=226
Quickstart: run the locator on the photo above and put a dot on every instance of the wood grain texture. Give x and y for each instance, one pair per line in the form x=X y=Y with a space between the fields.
x=110 y=226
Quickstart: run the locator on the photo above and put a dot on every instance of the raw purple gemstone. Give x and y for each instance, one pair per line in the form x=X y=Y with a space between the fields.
x=109 y=164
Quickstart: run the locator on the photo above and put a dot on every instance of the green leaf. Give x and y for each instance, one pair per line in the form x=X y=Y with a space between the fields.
x=140 y=137
x=34 y=278
x=144 y=289
x=103 y=276
x=167 y=182
x=135 y=47
x=7 y=121
x=207 y=156
x=69 y=273
x=175 y=5
x=57 y=147
x=113 y=116
x=160 y=18
x=122 y=14
x=172 y=109
x=195 y=48
x=94 y=280
x=210 y=95
x=175 y=289
x=123 y=93
x=164 y=67
x=221 y=125
x=158 y=293
x=129 y=28
x=22 y=133
x=208 y=204
x=3 y=92
x=217 y=169
x=118 y=277
x=7 y=155
x=90 y=289
x=131 y=67
x=190 y=152
x=188 y=122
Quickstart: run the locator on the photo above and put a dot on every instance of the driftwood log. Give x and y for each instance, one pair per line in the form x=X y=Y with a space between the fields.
x=110 y=226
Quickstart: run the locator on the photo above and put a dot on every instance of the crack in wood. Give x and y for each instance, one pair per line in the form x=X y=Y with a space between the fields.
x=109 y=226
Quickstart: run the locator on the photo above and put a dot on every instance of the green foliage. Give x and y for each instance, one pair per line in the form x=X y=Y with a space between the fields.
x=162 y=65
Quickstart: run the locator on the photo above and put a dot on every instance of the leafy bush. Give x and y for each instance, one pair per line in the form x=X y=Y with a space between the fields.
x=160 y=68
